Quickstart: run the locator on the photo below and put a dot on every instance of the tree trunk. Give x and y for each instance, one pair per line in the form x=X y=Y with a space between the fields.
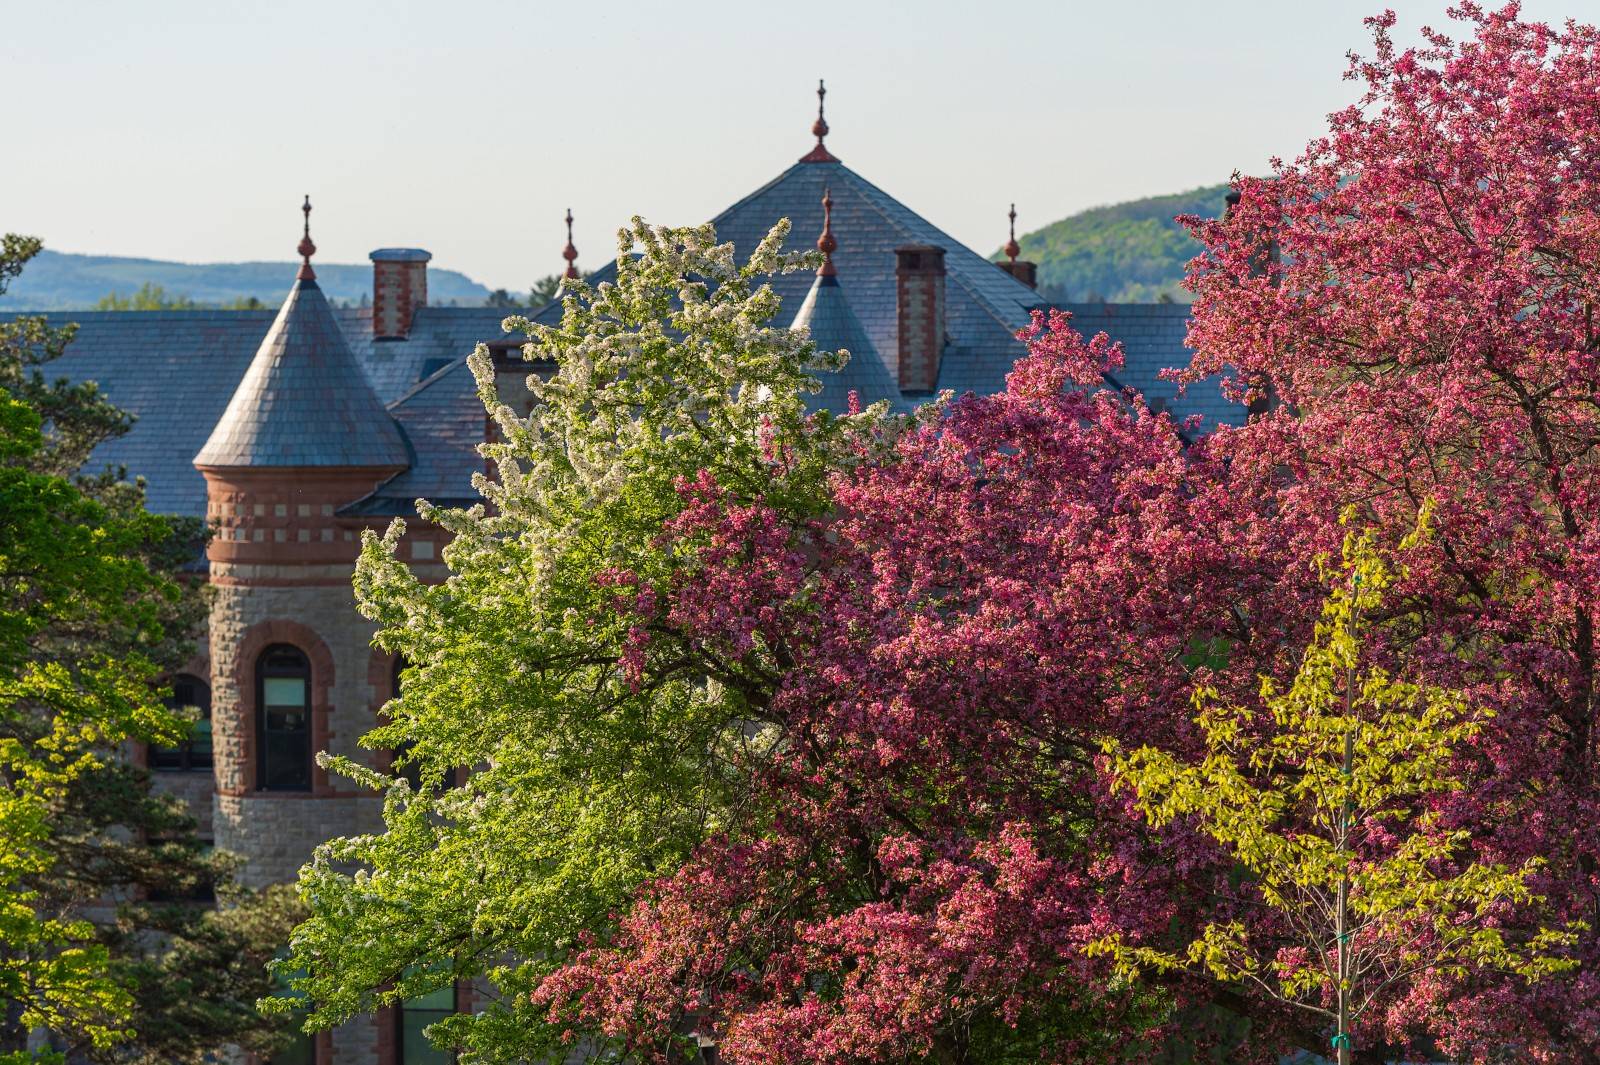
x=1343 y=968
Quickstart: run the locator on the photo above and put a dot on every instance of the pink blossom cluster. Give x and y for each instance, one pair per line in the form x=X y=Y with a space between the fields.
x=930 y=841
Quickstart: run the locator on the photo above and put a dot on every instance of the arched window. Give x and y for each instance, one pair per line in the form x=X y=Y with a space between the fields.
x=283 y=720
x=411 y=1046
x=193 y=753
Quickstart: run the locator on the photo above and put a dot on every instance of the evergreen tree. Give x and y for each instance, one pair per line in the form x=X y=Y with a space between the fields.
x=99 y=945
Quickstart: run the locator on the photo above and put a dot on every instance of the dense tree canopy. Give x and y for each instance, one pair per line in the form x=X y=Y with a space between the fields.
x=1428 y=325
x=602 y=749
x=784 y=734
x=1323 y=793
x=100 y=954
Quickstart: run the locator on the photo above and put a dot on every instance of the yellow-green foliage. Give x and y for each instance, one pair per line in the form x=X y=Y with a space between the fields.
x=1276 y=790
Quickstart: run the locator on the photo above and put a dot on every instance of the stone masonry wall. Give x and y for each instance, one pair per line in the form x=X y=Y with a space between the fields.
x=275 y=832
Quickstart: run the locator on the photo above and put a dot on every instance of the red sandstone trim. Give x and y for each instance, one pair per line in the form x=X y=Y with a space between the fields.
x=287 y=514
x=384 y=1020
x=280 y=582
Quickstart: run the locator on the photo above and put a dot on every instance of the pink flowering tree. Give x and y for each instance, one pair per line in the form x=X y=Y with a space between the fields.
x=1416 y=293
x=928 y=847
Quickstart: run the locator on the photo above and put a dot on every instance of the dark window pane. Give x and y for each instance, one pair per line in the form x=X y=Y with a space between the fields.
x=415 y=1016
x=283 y=720
x=193 y=753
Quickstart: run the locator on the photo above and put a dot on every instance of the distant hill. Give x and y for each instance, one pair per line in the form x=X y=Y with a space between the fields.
x=1127 y=253
x=60 y=281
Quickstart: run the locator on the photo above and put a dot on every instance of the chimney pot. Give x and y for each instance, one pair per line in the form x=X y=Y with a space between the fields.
x=399 y=287
x=1022 y=270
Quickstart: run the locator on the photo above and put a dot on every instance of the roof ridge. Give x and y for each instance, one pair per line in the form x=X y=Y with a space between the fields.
x=427 y=382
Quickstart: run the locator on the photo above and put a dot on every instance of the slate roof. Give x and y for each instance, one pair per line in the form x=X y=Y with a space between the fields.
x=984 y=305
x=1152 y=336
x=833 y=326
x=176 y=370
x=304 y=400
x=444 y=421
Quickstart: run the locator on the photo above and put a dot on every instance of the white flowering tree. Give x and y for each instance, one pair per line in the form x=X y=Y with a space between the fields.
x=572 y=737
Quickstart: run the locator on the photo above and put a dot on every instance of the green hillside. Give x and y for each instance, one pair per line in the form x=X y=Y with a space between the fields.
x=1126 y=253
x=59 y=281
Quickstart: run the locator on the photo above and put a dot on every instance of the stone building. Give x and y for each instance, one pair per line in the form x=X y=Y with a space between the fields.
x=291 y=433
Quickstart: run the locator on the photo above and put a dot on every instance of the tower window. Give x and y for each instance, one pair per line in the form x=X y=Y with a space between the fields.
x=194 y=752
x=283 y=720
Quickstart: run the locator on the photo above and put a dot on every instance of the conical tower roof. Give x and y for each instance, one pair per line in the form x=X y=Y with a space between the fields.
x=833 y=325
x=305 y=401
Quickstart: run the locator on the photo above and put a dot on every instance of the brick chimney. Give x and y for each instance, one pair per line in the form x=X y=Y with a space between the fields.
x=1022 y=270
x=919 y=294
x=399 y=287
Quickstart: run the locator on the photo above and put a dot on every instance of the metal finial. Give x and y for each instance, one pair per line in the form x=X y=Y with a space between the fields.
x=1013 y=249
x=306 y=248
x=819 y=129
x=825 y=243
x=570 y=252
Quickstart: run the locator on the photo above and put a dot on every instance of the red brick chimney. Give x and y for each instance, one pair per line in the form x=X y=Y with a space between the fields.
x=919 y=293
x=399 y=287
x=1022 y=270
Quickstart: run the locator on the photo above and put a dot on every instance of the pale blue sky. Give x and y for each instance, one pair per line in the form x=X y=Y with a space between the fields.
x=188 y=129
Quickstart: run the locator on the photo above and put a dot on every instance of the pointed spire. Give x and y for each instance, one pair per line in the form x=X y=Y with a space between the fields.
x=833 y=326
x=825 y=243
x=819 y=129
x=306 y=248
x=305 y=401
x=1013 y=249
x=826 y=315
x=570 y=252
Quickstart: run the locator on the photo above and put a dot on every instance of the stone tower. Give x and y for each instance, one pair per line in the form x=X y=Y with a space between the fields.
x=291 y=663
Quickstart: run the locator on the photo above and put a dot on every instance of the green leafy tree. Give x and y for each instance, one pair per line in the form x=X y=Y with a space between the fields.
x=597 y=761
x=154 y=297
x=69 y=565
x=1321 y=795
x=99 y=950
x=543 y=291
x=148 y=297
x=1133 y=252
